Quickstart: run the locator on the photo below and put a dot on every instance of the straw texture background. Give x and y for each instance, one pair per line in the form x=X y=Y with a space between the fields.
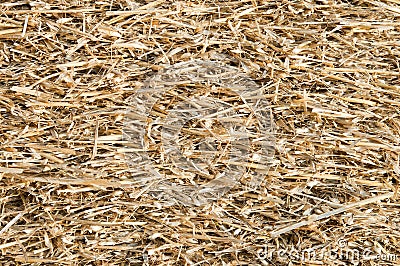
x=330 y=70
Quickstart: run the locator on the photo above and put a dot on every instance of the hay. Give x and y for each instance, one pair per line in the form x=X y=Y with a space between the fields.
x=329 y=70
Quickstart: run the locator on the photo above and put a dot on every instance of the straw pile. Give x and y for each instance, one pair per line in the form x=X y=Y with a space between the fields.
x=330 y=70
